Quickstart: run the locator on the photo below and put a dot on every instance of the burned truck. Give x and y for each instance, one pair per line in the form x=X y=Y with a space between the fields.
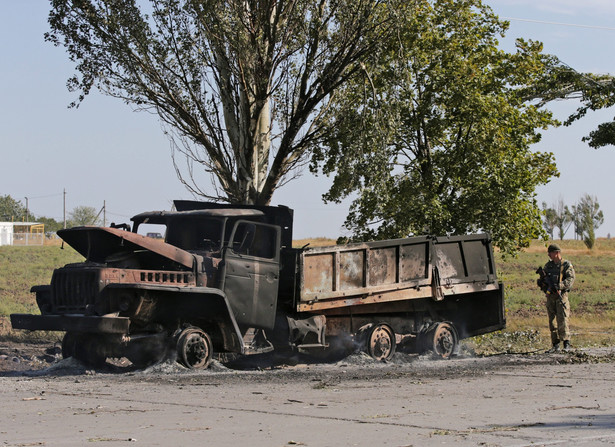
x=226 y=279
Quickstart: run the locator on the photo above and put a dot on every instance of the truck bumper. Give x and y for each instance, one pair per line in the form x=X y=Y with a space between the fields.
x=71 y=323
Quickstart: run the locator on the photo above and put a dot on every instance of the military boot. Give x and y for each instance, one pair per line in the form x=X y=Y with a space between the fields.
x=566 y=345
x=555 y=347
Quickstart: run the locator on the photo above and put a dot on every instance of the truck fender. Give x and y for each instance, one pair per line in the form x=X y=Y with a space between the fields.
x=198 y=303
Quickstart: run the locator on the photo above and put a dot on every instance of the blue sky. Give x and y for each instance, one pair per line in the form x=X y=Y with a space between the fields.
x=104 y=152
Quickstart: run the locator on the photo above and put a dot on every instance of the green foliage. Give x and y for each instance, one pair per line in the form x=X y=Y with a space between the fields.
x=51 y=225
x=589 y=218
x=11 y=209
x=592 y=90
x=434 y=136
x=83 y=215
x=596 y=92
x=590 y=236
x=604 y=135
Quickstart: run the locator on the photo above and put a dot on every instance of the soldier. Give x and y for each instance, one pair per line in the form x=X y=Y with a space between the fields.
x=556 y=283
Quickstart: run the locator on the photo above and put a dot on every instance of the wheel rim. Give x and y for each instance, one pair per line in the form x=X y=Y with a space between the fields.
x=194 y=348
x=381 y=342
x=444 y=340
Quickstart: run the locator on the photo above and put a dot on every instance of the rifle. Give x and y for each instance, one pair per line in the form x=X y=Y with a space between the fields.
x=546 y=284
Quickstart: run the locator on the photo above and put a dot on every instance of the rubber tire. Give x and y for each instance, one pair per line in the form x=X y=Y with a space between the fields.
x=69 y=345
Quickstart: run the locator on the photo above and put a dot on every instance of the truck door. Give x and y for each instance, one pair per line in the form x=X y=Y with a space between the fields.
x=251 y=273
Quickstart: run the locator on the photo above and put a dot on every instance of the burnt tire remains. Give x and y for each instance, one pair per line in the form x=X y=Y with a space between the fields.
x=69 y=344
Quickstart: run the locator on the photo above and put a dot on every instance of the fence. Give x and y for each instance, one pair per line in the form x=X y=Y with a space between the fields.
x=28 y=238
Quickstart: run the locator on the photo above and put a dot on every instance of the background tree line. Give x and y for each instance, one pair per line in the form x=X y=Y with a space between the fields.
x=12 y=210
x=585 y=217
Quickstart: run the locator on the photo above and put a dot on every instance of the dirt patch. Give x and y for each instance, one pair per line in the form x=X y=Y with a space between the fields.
x=28 y=356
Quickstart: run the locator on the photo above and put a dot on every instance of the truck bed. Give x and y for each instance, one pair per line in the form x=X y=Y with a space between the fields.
x=395 y=270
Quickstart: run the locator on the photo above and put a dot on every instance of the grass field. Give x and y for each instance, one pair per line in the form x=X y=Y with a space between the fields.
x=592 y=299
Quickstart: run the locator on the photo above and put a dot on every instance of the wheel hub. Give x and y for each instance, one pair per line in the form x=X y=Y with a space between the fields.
x=194 y=348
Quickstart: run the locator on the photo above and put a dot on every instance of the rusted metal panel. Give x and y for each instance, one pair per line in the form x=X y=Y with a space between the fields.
x=359 y=300
x=383 y=266
x=394 y=270
x=464 y=258
x=362 y=272
x=352 y=269
x=414 y=261
x=319 y=273
x=392 y=296
x=98 y=243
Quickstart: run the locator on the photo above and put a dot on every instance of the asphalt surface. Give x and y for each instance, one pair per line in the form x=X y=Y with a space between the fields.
x=505 y=400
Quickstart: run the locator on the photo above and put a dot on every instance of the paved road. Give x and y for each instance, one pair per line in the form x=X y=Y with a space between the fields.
x=536 y=400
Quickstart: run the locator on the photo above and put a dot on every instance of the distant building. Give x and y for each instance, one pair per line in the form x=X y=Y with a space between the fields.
x=6 y=233
x=22 y=233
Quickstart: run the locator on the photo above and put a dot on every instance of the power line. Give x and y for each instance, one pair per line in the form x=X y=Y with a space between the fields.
x=45 y=197
x=544 y=22
x=118 y=215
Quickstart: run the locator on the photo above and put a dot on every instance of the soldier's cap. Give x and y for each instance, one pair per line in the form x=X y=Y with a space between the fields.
x=553 y=247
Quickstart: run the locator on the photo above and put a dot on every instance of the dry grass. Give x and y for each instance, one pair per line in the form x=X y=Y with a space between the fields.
x=592 y=298
x=313 y=242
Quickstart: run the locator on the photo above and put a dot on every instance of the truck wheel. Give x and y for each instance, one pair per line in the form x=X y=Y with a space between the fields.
x=194 y=348
x=90 y=350
x=69 y=343
x=381 y=342
x=442 y=339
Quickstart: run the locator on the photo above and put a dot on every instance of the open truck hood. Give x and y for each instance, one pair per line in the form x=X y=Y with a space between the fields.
x=98 y=243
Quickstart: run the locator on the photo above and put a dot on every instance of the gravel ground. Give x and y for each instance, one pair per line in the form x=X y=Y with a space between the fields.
x=502 y=400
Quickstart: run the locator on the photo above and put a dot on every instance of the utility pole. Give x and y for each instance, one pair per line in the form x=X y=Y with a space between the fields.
x=64 y=208
x=104 y=213
x=27 y=212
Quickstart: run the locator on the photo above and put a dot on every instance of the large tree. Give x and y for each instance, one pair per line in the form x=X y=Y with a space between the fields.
x=11 y=210
x=240 y=85
x=550 y=219
x=435 y=136
x=558 y=216
x=588 y=217
x=83 y=215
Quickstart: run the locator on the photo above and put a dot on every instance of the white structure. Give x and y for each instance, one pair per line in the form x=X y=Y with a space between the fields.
x=22 y=233
x=6 y=233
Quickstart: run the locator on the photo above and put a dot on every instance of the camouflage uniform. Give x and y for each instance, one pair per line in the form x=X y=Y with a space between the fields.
x=561 y=275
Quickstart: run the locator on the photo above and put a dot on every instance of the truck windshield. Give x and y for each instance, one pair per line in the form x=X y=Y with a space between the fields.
x=195 y=234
